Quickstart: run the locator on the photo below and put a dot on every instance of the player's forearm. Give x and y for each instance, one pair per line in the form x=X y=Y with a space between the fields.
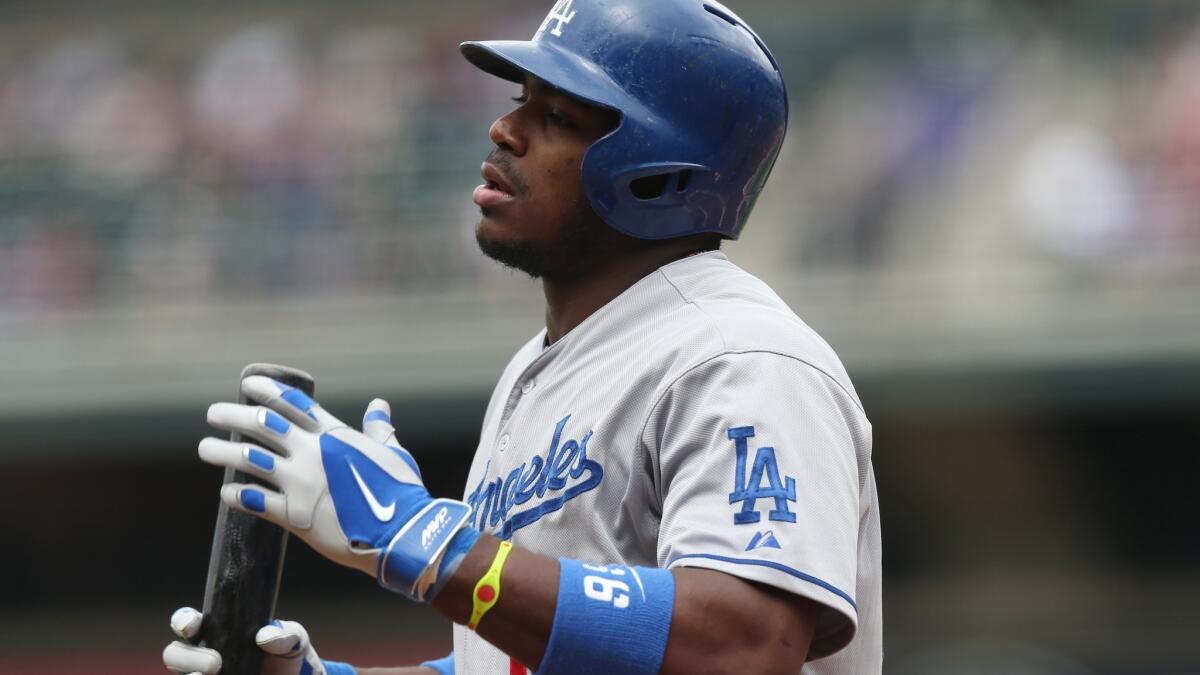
x=723 y=624
x=718 y=623
x=521 y=620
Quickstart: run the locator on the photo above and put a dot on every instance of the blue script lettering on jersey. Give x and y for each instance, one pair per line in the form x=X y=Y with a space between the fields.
x=563 y=474
x=749 y=492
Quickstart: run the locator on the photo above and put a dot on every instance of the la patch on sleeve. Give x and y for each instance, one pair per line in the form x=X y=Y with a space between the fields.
x=764 y=482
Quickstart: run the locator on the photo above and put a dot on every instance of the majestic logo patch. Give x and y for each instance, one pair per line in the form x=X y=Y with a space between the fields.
x=563 y=474
x=763 y=540
x=748 y=492
x=561 y=15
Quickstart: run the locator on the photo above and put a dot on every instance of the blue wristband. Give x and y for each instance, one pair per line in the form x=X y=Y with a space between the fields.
x=609 y=619
x=444 y=665
x=334 y=668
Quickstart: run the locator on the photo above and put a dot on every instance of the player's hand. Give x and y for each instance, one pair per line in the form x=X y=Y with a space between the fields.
x=350 y=496
x=286 y=644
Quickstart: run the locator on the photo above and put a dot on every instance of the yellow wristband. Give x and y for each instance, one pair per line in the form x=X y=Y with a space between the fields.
x=487 y=590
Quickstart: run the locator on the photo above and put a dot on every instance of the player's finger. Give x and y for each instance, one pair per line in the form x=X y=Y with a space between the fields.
x=377 y=422
x=185 y=622
x=377 y=425
x=262 y=424
x=243 y=457
x=185 y=658
x=257 y=500
x=288 y=401
x=282 y=638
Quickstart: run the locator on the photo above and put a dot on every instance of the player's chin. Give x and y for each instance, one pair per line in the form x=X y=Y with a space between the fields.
x=494 y=233
x=510 y=249
x=502 y=224
x=492 y=226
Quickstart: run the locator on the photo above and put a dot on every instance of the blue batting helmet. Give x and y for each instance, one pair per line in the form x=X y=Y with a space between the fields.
x=702 y=102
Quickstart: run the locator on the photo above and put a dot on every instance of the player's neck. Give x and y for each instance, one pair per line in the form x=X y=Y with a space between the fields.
x=569 y=301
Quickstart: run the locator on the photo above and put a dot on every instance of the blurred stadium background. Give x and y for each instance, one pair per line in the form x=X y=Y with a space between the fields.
x=992 y=210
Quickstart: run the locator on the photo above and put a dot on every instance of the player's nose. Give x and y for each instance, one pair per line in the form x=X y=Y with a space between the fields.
x=505 y=133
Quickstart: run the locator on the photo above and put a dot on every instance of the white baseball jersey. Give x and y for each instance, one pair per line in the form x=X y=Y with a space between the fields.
x=694 y=421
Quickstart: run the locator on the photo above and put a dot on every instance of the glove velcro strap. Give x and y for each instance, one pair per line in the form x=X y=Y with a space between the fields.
x=408 y=564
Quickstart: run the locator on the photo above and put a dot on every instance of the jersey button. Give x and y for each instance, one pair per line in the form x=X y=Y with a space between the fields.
x=503 y=441
x=528 y=386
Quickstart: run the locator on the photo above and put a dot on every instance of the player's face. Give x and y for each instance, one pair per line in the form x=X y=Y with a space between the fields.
x=535 y=216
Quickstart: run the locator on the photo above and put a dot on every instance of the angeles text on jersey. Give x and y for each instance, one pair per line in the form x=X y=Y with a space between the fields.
x=565 y=473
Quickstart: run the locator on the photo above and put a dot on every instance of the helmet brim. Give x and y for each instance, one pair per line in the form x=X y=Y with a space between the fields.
x=512 y=60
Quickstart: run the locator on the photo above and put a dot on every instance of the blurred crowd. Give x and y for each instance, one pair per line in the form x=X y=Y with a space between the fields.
x=194 y=156
x=983 y=136
x=253 y=157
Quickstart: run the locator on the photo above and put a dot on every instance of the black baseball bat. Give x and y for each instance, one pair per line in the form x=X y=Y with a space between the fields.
x=246 y=562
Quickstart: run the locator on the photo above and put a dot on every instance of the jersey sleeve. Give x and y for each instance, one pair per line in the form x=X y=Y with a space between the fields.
x=761 y=459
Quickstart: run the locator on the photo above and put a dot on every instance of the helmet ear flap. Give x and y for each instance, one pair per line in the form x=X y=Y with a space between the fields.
x=658 y=184
x=665 y=199
x=654 y=186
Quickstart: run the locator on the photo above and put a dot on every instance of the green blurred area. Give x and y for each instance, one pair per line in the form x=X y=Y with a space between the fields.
x=990 y=209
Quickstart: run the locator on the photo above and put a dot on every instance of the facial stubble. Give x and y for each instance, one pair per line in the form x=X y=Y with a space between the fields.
x=554 y=260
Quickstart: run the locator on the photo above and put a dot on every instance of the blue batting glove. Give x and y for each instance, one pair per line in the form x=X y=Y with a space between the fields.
x=357 y=498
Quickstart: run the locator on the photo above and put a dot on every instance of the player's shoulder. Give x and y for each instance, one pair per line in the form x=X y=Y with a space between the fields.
x=725 y=310
x=737 y=303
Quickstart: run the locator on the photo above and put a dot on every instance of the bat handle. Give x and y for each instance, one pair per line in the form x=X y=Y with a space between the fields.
x=246 y=564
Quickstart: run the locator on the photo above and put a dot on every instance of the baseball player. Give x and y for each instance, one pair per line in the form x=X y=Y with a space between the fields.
x=674 y=475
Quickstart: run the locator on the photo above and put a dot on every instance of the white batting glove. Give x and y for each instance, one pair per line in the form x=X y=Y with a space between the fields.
x=356 y=499
x=285 y=643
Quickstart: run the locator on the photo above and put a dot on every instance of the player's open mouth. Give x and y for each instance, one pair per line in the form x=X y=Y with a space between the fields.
x=495 y=191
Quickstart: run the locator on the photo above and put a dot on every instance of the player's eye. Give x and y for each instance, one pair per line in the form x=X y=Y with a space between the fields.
x=556 y=118
x=521 y=99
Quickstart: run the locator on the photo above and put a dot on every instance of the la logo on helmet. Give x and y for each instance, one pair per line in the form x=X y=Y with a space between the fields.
x=561 y=14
